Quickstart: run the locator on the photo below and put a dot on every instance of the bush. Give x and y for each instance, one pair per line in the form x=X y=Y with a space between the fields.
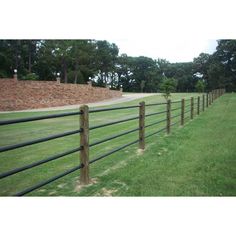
x=167 y=86
x=200 y=86
x=31 y=76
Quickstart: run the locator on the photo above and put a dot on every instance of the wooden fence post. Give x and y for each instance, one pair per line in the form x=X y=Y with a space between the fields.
x=168 y=119
x=198 y=105
x=192 y=108
x=207 y=99
x=203 y=102
x=182 y=111
x=142 y=125
x=84 y=143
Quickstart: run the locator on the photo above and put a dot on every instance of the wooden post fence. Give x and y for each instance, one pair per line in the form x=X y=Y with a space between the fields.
x=168 y=119
x=182 y=111
x=84 y=143
x=203 y=102
x=142 y=125
x=198 y=105
x=192 y=108
x=207 y=99
x=84 y=126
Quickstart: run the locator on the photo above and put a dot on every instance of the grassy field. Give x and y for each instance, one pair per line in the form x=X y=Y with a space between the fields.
x=192 y=161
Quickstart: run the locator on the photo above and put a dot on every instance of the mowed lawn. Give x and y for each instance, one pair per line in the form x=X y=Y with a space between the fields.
x=196 y=160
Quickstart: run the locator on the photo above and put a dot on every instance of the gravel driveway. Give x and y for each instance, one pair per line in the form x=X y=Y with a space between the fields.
x=126 y=97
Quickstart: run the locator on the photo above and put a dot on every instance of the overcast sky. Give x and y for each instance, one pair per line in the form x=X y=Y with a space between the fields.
x=173 y=30
x=173 y=50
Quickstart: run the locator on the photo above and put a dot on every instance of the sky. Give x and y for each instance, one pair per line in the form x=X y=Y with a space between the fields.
x=173 y=30
x=173 y=50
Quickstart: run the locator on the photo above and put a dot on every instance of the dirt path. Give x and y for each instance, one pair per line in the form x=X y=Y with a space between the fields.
x=125 y=98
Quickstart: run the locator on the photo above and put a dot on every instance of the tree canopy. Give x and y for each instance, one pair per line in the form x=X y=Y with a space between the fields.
x=79 y=61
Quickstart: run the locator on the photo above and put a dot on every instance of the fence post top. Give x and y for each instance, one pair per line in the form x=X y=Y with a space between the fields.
x=142 y=103
x=83 y=107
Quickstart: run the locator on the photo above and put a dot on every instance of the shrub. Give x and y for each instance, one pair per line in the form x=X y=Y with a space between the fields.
x=200 y=86
x=167 y=86
x=30 y=76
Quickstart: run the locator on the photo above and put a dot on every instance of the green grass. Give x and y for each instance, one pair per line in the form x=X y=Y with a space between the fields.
x=192 y=161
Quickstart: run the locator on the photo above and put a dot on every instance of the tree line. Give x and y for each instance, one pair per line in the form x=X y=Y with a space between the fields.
x=80 y=61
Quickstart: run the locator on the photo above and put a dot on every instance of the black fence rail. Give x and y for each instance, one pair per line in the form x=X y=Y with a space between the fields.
x=195 y=106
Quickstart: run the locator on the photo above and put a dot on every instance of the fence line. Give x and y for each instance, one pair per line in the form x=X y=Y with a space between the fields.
x=84 y=146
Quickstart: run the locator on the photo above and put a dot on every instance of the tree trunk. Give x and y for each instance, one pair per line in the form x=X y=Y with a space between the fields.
x=30 y=57
x=17 y=59
x=76 y=71
x=65 y=74
x=105 y=79
x=64 y=69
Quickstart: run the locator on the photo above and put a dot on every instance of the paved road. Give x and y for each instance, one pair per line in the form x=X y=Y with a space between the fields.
x=125 y=98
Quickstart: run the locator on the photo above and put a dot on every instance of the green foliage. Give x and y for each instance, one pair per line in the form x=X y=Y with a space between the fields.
x=200 y=86
x=218 y=69
x=168 y=85
x=99 y=60
x=31 y=76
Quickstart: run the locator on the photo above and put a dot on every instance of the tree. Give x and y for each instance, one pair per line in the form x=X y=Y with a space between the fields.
x=144 y=74
x=6 y=62
x=123 y=69
x=168 y=85
x=105 y=59
x=225 y=59
x=47 y=64
x=200 y=66
x=82 y=64
x=200 y=86
x=78 y=60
